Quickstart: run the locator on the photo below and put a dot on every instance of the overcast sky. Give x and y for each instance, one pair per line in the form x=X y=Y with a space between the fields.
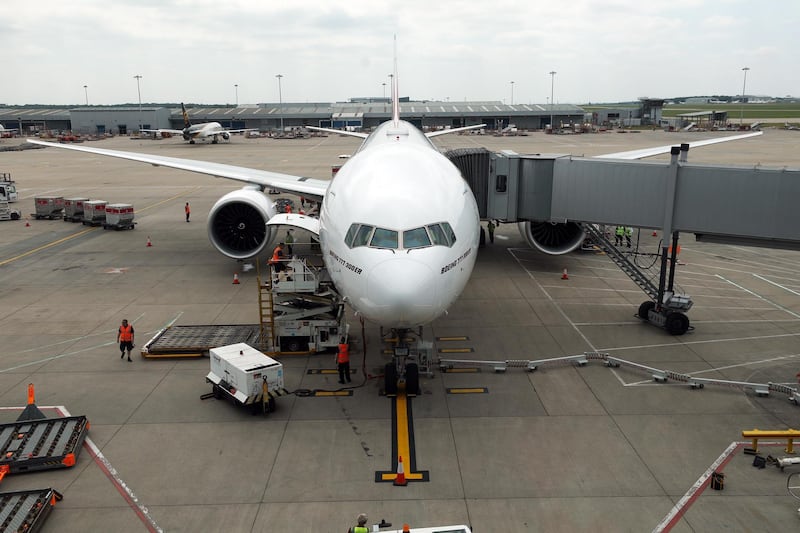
x=329 y=50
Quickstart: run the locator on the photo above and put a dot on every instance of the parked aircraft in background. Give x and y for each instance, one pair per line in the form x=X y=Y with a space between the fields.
x=204 y=131
x=6 y=132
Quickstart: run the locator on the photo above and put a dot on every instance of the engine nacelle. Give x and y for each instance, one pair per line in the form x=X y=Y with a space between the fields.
x=552 y=238
x=226 y=135
x=237 y=224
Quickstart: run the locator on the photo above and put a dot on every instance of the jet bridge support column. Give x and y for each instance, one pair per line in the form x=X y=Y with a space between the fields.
x=669 y=309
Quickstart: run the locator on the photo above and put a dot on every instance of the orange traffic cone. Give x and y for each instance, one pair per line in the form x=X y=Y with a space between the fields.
x=149 y=243
x=235 y=278
x=655 y=234
x=400 y=480
x=564 y=274
x=27 y=223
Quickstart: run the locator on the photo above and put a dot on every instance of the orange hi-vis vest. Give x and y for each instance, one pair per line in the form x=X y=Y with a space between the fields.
x=187 y=209
x=126 y=333
x=276 y=258
x=344 y=355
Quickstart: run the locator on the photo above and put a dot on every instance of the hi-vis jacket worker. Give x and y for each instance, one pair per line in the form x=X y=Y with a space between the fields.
x=343 y=361
x=628 y=235
x=277 y=256
x=618 y=234
x=125 y=339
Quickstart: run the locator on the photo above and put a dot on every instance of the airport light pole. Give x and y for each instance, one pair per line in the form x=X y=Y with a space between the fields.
x=552 y=83
x=384 y=91
x=86 y=92
x=741 y=104
x=236 y=88
x=280 y=99
x=139 y=92
x=512 y=93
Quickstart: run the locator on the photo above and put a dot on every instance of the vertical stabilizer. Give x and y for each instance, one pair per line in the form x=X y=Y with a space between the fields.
x=186 y=122
x=395 y=90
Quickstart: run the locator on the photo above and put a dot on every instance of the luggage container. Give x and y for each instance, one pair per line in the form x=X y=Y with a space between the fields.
x=119 y=216
x=73 y=209
x=94 y=212
x=51 y=207
x=246 y=376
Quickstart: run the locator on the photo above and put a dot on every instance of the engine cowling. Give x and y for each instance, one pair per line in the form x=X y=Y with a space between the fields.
x=552 y=238
x=237 y=224
x=226 y=135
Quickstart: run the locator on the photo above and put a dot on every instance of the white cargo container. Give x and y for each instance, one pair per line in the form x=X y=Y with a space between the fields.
x=246 y=375
x=119 y=216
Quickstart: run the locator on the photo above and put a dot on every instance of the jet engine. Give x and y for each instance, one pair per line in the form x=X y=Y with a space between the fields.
x=226 y=135
x=237 y=224
x=552 y=238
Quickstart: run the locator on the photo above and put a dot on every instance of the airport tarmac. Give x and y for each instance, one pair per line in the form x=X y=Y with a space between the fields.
x=564 y=448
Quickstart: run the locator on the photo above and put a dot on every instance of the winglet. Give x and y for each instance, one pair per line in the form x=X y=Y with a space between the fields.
x=395 y=90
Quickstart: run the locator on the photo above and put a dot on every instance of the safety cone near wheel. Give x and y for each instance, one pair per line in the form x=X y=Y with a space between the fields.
x=564 y=274
x=235 y=278
x=400 y=480
x=149 y=242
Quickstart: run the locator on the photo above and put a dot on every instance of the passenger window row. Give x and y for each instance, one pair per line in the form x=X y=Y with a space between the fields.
x=439 y=234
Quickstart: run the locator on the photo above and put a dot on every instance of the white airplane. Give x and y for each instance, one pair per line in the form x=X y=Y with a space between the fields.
x=193 y=132
x=4 y=131
x=399 y=226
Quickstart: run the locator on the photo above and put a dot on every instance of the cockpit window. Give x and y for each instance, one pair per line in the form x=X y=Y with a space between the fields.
x=416 y=238
x=362 y=237
x=440 y=234
x=384 y=238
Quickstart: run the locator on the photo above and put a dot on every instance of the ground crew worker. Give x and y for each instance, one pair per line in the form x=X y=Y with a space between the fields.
x=288 y=208
x=289 y=241
x=362 y=525
x=343 y=362
x=490 y=226
x=125 y=339
x=628 y=235
x=188 y=211
x=276 y=259
x=618 y=234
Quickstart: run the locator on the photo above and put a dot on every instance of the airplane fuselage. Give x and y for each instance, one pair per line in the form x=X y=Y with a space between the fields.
x=399 y=229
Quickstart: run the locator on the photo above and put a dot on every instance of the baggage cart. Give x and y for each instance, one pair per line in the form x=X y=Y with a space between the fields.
x=119 y=216
x=73 y=209
x=94 y=212
x=50 y=207
x=246 y=376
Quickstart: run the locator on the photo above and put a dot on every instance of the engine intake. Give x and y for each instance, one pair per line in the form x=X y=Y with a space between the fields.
x=553 y=238
x=237 y=224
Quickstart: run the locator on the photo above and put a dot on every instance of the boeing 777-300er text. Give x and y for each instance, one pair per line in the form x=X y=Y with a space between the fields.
x=193 y=132
x=398 y=227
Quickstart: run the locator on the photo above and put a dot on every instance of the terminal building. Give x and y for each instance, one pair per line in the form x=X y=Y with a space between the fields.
x=358 y=114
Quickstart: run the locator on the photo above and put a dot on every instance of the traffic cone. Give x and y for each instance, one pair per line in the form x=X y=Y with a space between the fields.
x=564 y=274
x=400 y=480
x=235 y=278
x=655 y=234
x=27 y=223
x=149 y=243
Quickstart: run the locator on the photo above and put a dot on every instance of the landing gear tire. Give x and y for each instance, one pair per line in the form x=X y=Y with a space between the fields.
x=645 y=308
x=676 y=323
x=412 y=379
x=390 y=379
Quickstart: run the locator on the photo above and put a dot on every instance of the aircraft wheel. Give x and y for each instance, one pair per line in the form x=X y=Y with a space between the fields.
x=191 y=142
x=412 y=379
x=390 y=379
x=677 y=323
x=645 y=308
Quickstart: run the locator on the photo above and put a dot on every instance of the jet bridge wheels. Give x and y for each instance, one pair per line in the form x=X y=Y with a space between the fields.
x=675 y=322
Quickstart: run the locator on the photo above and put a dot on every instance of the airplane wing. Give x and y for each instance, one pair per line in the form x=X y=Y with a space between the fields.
x=649 y=152
x=308 y=187
x=340 y=132
x=453 y=130
x=163 y=130
x=241 y=131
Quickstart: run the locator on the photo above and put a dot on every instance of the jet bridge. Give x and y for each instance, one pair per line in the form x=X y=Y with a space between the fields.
x=555 y=196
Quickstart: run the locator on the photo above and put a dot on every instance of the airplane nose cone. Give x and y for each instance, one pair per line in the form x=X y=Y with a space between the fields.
x=403 y=291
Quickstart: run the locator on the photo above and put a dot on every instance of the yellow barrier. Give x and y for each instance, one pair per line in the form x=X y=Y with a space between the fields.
x=788 y=434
